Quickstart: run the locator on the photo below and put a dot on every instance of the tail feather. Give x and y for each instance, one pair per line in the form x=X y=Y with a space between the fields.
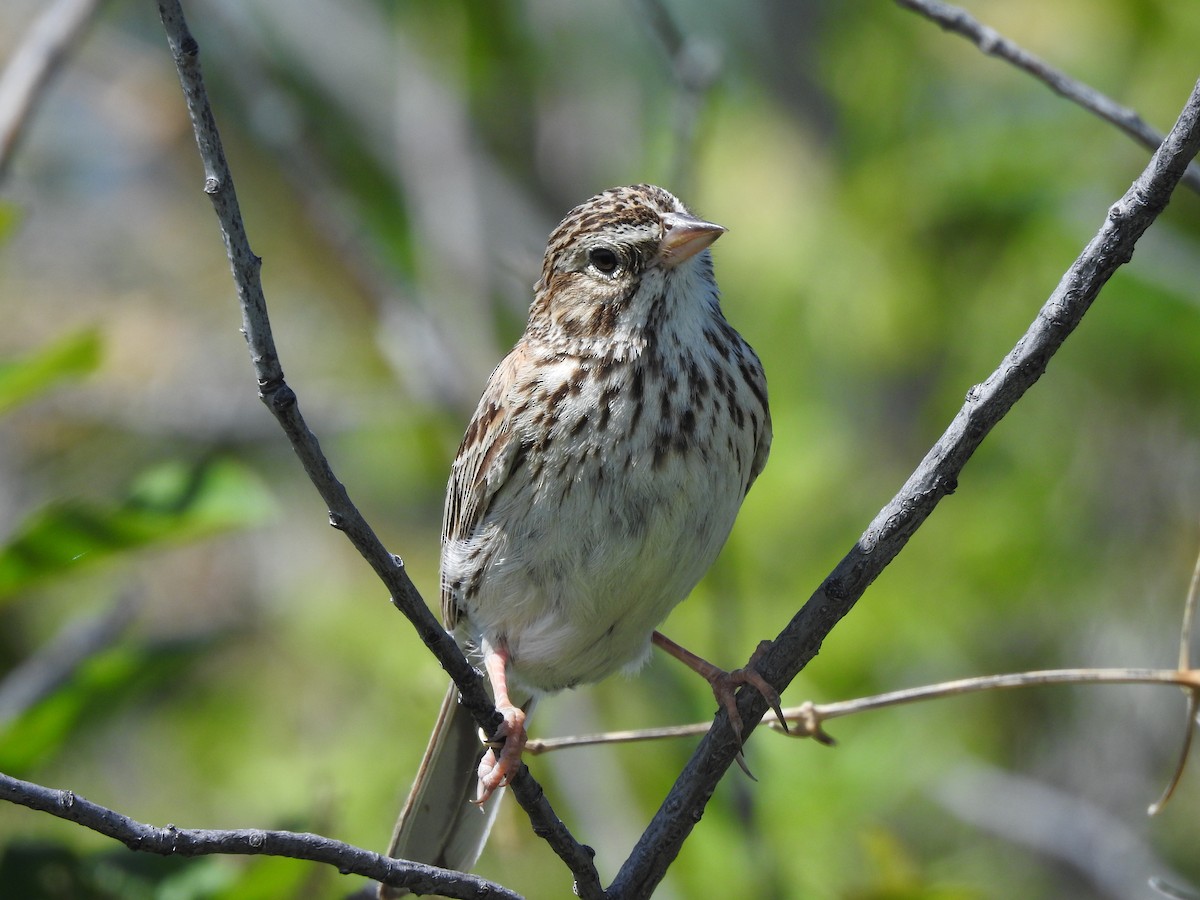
x=440 y=824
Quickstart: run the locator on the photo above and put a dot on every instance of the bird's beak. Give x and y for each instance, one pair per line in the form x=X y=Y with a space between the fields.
x=685 y=237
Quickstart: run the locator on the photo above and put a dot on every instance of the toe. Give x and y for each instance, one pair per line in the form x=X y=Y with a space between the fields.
x=496 y=771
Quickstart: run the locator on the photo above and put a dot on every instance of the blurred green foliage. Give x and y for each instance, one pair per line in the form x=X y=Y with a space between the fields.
x=72 y=356
x=899 y=207
x=170 y=503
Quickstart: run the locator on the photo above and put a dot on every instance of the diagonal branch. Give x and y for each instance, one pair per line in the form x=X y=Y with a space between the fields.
x=169 y=841
x=937 y=475
x=988 y=40
x=281 y=400
x=34 y=64
x=274 y=391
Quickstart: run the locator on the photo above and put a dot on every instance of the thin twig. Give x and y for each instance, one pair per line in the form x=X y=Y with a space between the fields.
x=1193 y=699
x=168 y=841
x=808 y=718
x=35 y=62
x=986 y=404
x=960 y=22
x=343 y=514
x=1186 y=629
x=1164 y=887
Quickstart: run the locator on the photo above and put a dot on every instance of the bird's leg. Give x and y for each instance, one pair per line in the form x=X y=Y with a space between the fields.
x=509 y=739
x=724 y=683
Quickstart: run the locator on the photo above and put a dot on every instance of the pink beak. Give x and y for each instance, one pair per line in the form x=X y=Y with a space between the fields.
x=685 y=237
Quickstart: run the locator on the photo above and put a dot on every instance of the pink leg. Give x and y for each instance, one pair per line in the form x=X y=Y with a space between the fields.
x=497 y=771
x=725 y=683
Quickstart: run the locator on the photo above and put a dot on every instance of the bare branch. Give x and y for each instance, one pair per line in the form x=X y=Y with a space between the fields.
x=936 y=476
x=274 y=391
x=1167 y=889
x=1187 y=628
x=343 y=514
x=1193 y=698
x=960 y=22
x=809 y=717
x=168 y=841
x=37 y=59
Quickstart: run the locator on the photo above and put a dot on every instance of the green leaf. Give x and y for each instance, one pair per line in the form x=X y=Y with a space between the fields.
x=171 y=503
x=70 y=357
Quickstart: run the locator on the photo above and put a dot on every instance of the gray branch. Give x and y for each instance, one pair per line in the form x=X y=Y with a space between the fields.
x=172 y=841
x=281 y=400
x=960 y=22
x=274 y=391
x=937 y=475
x=34 y=64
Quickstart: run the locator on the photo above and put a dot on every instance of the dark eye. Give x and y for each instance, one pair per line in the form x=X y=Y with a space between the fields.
x=604 y=260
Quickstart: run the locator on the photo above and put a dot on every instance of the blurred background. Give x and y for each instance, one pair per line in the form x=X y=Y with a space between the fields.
x=184 y=638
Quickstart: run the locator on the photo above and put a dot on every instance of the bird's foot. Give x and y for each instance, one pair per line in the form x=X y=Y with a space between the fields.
x=725 y=685
x=503 y=757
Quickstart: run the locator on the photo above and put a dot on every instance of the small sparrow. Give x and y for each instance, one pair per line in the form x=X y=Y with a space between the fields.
x=596 y=483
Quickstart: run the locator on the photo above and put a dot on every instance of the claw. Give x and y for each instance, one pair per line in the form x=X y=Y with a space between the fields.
x=495 y=771
x=749 y=675
x=725 y=684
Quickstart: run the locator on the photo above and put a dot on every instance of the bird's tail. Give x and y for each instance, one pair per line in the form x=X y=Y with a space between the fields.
x=440 y=824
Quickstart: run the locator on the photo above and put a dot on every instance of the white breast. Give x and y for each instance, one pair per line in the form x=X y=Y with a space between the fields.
x=590 y=546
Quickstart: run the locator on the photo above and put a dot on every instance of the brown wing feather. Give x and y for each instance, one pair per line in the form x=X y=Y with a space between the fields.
x=762 y=451
x=482 y=465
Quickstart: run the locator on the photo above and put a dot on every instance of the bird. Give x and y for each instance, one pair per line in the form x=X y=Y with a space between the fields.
x=597 y=481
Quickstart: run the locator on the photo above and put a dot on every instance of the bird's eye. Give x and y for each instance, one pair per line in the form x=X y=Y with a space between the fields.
x=604 y=260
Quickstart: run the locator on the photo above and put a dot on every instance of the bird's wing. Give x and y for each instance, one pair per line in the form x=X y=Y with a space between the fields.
x=762 y=450
x=485 y=458
x=756 y=379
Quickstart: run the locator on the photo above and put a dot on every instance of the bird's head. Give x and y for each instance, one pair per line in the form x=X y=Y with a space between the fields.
x=621 y=262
